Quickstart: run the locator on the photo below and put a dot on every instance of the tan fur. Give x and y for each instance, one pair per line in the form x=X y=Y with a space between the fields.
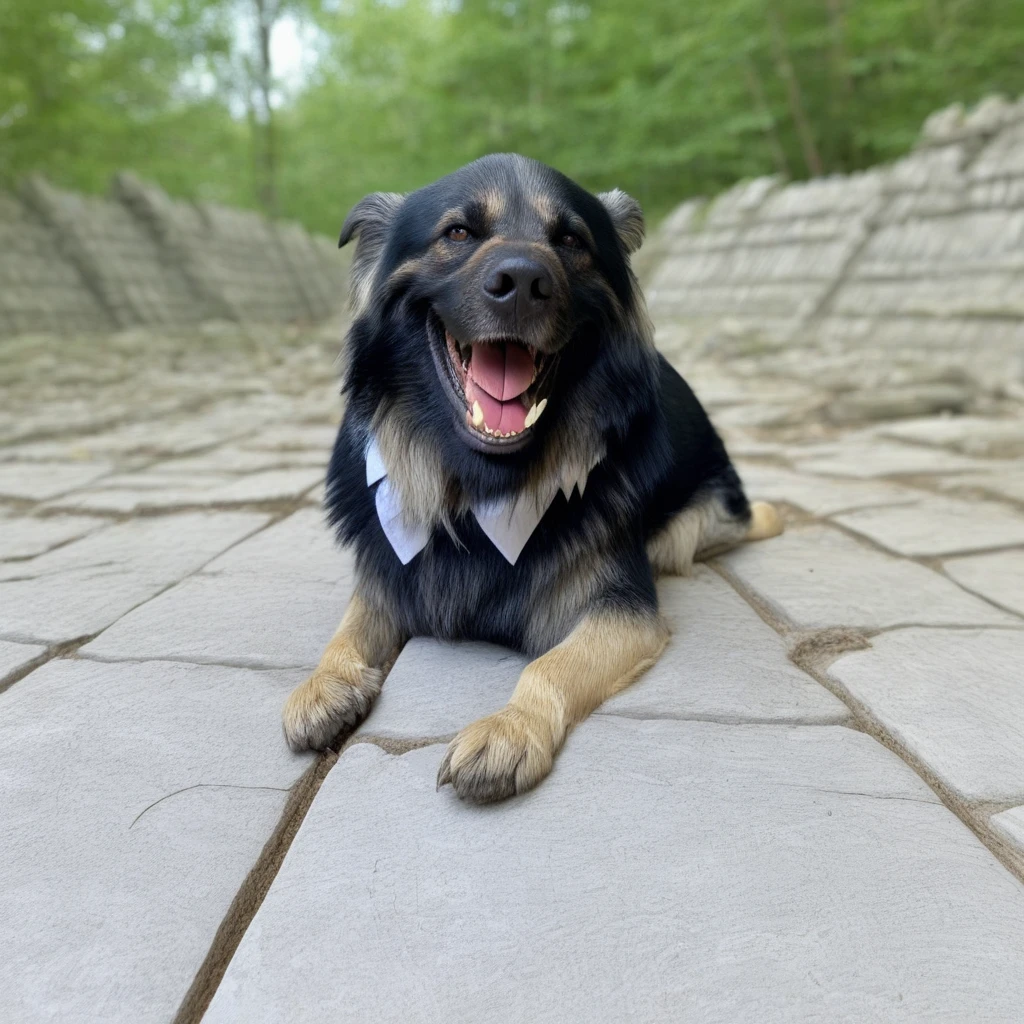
x=627 y=217
x=765 y=521
x=406 y=270
x=429 y=495
x=481 y=252
x=494 y=203
x=371 y=213
x=512 y=750
x=706 y=528
x=346 y=681
x=544 y=208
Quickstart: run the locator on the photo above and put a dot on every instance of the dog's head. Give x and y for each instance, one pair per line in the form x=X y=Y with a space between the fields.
x=494 y=307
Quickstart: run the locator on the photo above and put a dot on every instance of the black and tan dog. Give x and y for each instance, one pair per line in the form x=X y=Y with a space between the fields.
x=516 y=461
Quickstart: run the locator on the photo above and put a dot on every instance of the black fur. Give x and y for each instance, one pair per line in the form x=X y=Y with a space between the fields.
x=610 y=385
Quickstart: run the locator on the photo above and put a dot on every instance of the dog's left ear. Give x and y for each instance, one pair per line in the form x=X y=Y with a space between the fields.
x=370 y=217
x=627 y=217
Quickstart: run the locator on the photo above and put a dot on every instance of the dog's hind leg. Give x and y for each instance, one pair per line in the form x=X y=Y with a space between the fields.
x=339 y=694
x=512 y=750
x=705 y=528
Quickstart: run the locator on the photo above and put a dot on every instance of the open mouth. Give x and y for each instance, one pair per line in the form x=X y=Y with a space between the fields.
x=500 y=385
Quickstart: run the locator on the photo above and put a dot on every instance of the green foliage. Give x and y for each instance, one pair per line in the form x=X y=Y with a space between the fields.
x=662 y=97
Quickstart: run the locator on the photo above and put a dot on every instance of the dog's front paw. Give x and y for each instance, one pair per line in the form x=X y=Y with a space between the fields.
x=498 y=756
x=328 y=702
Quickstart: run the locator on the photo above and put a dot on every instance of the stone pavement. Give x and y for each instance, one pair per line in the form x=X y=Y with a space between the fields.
x=812 y=808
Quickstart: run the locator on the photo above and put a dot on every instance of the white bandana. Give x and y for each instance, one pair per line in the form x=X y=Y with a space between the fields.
x=508 y=523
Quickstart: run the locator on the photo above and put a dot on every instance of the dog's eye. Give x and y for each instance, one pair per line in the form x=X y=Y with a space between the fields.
x=457 y=233
x=569 y=241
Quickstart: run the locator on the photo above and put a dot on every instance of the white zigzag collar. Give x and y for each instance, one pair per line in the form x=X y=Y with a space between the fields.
x=508 y=523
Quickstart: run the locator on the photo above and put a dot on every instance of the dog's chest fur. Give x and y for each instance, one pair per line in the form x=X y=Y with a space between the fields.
x=465 y=589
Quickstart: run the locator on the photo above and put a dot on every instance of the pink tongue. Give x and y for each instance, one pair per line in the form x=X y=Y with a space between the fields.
x=499 y=416
x=503 y=371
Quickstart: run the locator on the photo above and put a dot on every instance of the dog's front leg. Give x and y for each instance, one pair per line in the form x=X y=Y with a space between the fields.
x=340 y=692
x=511 y=751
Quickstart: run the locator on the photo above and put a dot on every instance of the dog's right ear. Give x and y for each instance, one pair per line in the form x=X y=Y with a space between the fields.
x=370 y=217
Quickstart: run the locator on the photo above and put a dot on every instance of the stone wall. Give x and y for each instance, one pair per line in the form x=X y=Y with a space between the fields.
x=929 y=247
x=77 y=263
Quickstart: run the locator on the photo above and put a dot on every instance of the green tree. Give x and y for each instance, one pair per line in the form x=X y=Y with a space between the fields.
x=663 y=98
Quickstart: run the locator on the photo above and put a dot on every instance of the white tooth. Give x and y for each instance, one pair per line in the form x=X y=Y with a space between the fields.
x=478 y=414
x=535 y=410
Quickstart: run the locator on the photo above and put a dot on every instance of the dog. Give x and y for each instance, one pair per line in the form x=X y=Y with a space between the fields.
x=516 y=462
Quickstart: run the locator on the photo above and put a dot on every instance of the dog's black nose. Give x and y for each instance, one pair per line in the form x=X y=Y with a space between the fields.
x=519 y=284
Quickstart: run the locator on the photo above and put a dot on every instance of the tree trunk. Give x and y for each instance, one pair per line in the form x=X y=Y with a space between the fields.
x=843 y=144
x=797 y=110
x=840 y=58
x=266 y=143
x=760 y=100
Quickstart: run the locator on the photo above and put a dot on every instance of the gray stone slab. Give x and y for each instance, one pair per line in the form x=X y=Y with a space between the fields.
x=144 y=492
x=231 y=619
x=150 y=490
x=85 y=586
x=37 y=481
x=666 y=871
x=136 y=798
x=955 y=698
x=938 y=526
x=723 y=663
x=269 y=485
x=821 y=496
x=1010 y=826
x=866 y=459
x=998 y=576
x=294 y=437
x=893 y=403
x=235 y=459
x=973 y=435
x=813 y=577
x=1005 y=480
x=25 y=536
x=301 y=546
x=16 y=656
x=434 y=688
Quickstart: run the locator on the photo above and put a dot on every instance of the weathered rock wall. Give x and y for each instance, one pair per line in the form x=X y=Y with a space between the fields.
x=78 y=263
x=931 y=247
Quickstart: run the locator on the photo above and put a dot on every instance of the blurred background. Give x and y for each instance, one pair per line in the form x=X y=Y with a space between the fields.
x=299 y=107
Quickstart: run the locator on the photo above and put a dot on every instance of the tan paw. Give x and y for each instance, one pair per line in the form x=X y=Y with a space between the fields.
x=765 y=521
x=497 y=757
x=328 y=703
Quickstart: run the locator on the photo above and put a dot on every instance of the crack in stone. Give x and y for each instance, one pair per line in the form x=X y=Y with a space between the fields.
x=934 y=802
x=252 y=892
x=864 y=719
x=66 y=649
x=241 y=663
x=203 y=785
x=394 y=747
x=752 y=720
x=87 y=571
